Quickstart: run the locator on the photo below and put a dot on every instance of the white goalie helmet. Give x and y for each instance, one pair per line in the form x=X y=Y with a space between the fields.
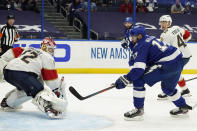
x=48 y=45
x=166 y=18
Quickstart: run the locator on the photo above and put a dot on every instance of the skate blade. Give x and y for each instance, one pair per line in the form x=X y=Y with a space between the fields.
x=8 y=109
x=130 y=85
x=53 y=116
x=187 y=95
x=137 y=118
x=186 y=115
x=160 y=99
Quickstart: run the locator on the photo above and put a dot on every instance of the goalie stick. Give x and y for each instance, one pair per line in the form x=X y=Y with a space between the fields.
x=76 y=94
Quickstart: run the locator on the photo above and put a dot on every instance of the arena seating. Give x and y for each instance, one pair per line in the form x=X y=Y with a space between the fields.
x=29 y=24
x=109 y=25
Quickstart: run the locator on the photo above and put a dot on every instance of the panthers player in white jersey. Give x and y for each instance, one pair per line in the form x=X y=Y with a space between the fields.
x=28 y=69
x=177 y=37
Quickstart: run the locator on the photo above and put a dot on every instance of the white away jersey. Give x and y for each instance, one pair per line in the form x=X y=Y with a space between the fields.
x=36 y=61
x=177 y=36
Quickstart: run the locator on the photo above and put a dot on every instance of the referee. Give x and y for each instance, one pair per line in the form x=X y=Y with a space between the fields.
x=8 y=35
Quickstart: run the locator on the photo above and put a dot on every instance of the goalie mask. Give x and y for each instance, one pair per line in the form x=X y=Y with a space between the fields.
x=48 y=45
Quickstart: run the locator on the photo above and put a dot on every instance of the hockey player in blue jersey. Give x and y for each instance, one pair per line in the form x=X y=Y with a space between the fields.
x=128 y=24
x=152 y=62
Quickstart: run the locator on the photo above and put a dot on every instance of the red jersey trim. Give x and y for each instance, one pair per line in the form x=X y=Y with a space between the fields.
x=48 y=74
x=17 y=51
x=186 y=35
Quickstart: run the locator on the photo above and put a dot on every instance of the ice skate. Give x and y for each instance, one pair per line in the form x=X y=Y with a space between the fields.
x=180 y=111
x=6 y=108
x=162 y=96
x=52 y=113
x=186 y=93
x=134 y=115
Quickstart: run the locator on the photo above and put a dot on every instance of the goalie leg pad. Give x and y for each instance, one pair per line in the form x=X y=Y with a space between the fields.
x=46 y=96
x=16 y=98
x=2 y=65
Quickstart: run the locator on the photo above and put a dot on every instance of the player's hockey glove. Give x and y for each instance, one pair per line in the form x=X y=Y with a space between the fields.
x=122 y=82
x=60 y=92
x=124 y=44
x=57 y=92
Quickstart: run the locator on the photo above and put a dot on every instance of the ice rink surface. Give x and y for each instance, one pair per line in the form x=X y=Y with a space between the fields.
x=103 y=112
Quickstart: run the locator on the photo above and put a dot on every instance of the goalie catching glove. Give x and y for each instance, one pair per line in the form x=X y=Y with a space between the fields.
x=53 y=103
x=122 y=82
x=47 y=102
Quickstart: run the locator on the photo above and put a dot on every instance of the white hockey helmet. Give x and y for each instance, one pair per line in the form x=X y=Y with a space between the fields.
x=140 y=1
x=166 y=18
x=48 y=45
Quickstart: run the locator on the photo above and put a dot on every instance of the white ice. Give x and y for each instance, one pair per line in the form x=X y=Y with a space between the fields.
x=103 y=112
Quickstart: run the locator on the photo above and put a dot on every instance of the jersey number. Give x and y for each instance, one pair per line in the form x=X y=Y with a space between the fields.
x=161 y=47
x=180 y=41
x=29 y=54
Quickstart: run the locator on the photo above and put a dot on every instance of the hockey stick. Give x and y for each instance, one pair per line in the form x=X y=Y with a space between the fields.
x=61 y=81
x=76 y=94
x=191 y=79
x=194 y=106
x=58 y=91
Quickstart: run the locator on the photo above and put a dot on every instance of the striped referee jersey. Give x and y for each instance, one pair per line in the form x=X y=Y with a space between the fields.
x=8 y=35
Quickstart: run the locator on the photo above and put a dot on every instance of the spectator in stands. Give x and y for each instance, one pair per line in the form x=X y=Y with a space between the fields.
x=192 y=3
x=187 y=8
x=101 y=3
x=105 y=2
x=141 y=7
x=14 y=5
x=18 y=5
x=66 y=3
x=30 y=5
x=77 y=5
x=126 y=7
x=93 y=6
x=177 y=8
x=8 y=5
x=151 y=5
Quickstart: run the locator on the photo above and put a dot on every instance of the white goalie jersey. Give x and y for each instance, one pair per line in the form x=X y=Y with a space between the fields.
x=33 y=60
x=177 y=37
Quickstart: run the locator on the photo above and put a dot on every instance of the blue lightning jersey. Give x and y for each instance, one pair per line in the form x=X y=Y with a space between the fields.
x=127 y=34
x=149 y=52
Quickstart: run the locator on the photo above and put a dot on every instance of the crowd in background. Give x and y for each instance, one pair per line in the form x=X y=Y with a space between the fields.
x=142 y=6
x=22 y=5
x=125 y=6
x=73 y=10
x=178 y=8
